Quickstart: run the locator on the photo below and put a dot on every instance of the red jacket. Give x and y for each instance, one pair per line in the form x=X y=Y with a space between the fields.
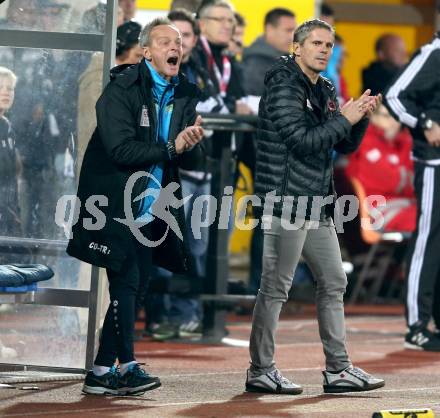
x=385 y=168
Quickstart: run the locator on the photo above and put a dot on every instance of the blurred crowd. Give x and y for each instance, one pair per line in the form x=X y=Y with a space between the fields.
x=47 y=116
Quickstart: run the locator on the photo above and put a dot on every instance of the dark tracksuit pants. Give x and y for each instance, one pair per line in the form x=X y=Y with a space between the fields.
x=423 y=263
x=118 y=329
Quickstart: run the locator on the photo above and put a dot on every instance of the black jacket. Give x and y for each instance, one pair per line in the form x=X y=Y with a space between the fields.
x=257 y=59
x=377 y=76
x=300 y=126
x=119 y=147
x=415 y=96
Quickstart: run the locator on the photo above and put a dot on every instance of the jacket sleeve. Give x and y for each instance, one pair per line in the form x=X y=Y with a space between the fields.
x=407 y=97
x=117 y=129
x=352 y=142
x=285 y=106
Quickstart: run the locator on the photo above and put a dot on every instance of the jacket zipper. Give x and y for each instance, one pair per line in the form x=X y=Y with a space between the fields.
x=323 y=176
x=286 y=172
x=145 y=181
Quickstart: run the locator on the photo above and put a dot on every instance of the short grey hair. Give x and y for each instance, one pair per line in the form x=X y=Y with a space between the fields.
x=303 y=31
x=205 y=10
x=7 y=73
x=145 y=36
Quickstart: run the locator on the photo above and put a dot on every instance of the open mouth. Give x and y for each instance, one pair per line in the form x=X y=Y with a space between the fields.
x=172 y=60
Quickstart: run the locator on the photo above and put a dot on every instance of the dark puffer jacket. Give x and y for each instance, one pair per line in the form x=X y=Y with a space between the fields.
x=300 y=125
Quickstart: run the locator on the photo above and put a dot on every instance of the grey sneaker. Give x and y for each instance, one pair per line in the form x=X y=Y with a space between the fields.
x=271 y=382
x=352 y=379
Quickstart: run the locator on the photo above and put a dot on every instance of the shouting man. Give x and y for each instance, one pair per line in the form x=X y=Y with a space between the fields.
x=146 y=123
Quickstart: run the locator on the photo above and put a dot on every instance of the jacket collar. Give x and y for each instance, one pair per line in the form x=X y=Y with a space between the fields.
x=288 y=62
x=323 y=83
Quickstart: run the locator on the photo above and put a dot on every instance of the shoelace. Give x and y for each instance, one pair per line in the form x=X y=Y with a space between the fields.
x=114 y=375
x=137 y=370
x=279 y=378
x=359 y=373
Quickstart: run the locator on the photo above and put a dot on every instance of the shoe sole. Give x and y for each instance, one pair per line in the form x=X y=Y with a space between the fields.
x=140 y=389
x=162 y=337
x=345 y=389
x=97 y=390
x=257 y=389
x=410 y=346
x=189 y=334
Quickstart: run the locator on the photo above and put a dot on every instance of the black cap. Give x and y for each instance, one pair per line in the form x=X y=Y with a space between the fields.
x=127 y=36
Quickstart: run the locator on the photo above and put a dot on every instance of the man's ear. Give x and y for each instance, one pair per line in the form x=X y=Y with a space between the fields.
x=297 y=49
x=381 y=55
x=146 y=53
x=202 y=25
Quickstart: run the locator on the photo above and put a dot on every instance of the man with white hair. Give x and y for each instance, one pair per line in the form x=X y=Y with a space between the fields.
x=146 y=123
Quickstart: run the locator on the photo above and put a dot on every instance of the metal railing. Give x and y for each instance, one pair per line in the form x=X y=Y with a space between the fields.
x=215 y=295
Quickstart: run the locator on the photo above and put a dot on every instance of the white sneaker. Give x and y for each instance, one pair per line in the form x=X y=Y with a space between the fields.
x=271 y=382
x=352 y=379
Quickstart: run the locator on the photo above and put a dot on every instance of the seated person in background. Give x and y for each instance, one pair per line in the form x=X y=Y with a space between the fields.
x=383 y=165
x=9 y=211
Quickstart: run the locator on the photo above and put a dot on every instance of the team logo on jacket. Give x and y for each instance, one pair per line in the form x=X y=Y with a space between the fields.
x=331 y=105
x=145 y=120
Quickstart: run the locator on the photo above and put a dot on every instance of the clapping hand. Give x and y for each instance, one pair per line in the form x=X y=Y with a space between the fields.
x=355 y=110
x=190 y=136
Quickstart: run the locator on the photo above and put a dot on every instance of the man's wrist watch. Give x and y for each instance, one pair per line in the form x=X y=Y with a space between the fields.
x=426 y=123
x=171 y=148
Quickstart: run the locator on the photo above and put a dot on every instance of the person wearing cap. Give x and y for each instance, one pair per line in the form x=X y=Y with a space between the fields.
x=128 y=50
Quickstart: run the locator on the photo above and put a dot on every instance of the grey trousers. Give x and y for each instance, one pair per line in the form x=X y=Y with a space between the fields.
x=281 y=252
